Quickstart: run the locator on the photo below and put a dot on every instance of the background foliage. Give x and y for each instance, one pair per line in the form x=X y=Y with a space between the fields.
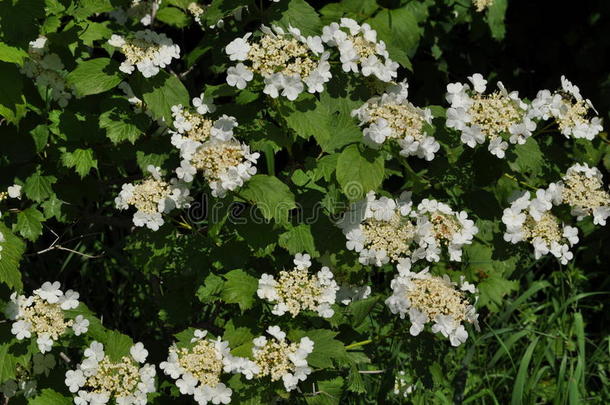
x=544 y=335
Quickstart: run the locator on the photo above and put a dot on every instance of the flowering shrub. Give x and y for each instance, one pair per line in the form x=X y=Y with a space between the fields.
x=289 y=201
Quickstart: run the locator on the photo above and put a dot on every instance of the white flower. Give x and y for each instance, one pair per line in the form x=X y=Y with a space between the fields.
x=238 y=48
x=75 y=379
x=21 y=329
x=138 y=352
x=478 y=82
x=204 y=104
x=302 y=261
x=14 y=191
x=81 y=325
x=44 y=342
x=239 y=76
x=69 y=300
x=276 y=332
x=95 y=351
x=49 y=292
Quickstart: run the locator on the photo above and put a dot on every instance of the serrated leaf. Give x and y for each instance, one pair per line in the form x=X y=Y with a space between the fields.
x=38 y=187
x=495 y=18
x=328 y=392
x=40 y=134
x=328 y=120
x=173 y=16
x=359 y=171
x=299 y=239
x=493 y=289
x=400 y=30
x=326 y=349
x=211 y=288
x=122 y=124
x=239 y=288
x=11 y=250
x=11 y=54
x=29 y=223
x=272 y=197
x=160 y=93
x=527 y=158
x=9 y=361
x=50 y=397
x=95 y=76
x=116 y=345
x=81 y=160
x=301 y=15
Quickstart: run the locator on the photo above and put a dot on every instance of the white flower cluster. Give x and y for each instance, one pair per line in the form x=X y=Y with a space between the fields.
x=198 y=368
x=380 y=229
x=278 y=359
x=208 y=146
x=287 y=61
x=432 y=299
x=392 y=116
x=296 y=290
x=147 y=51
x=493 y=117
x=582 y=188
x=383 y=230
x=152 y=197
x=575 y=115
x=47 y=70
x=99 y=379
x=43 y=315
x=438 y=225
x=359 y=49
x=530 y=219
x=141 y=10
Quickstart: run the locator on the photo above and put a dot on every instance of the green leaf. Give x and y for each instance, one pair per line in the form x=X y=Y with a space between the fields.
x=328 y=120
x=160 y=93
x=400 y=30
x=11 y=54
x=527 y=158
x=29 y=223
x=272 y=197
x=11 y=250
x=495 y=18
x=12 y=102
x=121 y=123
x=9 y=362
x=326 y=348
x=493 y=289
x=301 y=15
x=38 y=187
x=40 y=134
x=81 y=160
x=116 y=345
x=173 y=16
x=95 y=76
x=50 y=397
x=299 y=239
x=328 y=392
x=359 y=172
x=211 y=288
x=239 y=288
